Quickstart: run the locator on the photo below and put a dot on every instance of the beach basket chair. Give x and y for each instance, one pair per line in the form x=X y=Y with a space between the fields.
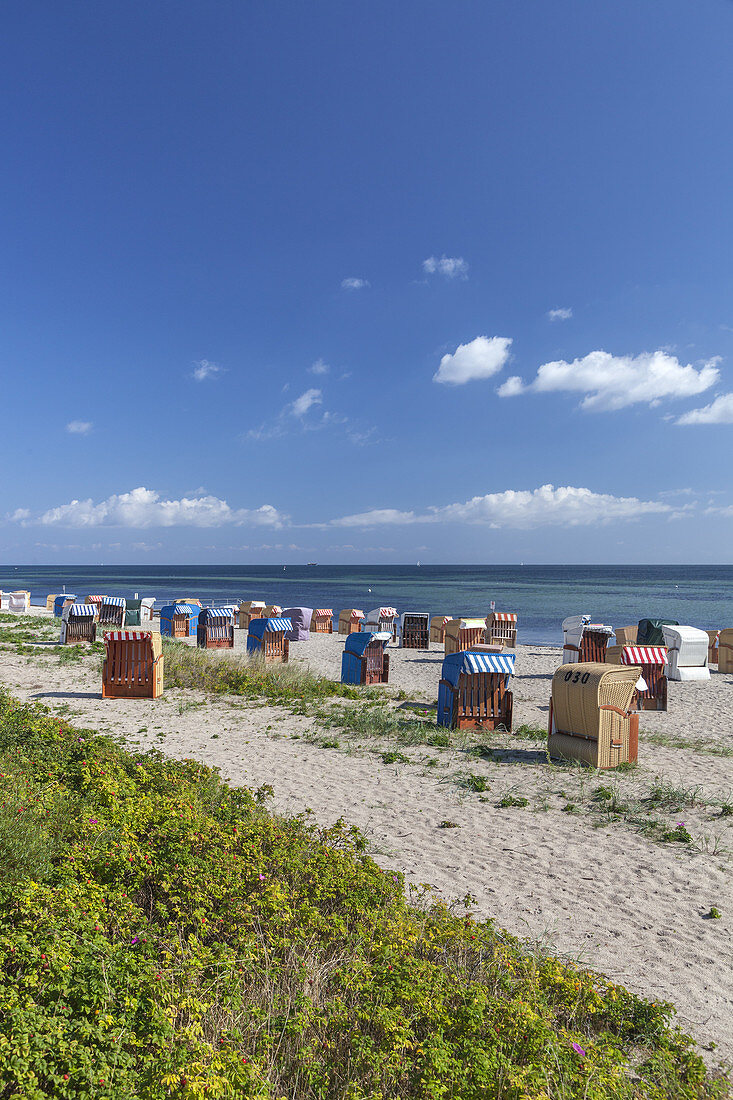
x=380 y=619
x=112 y=611
x=501 y=626
x=269 y=638
x=51 y=601
x=473 y=691
x=179 y=620
x=687 y=653
x=60 y=602
x=96 y=603
x=584 y=640
x=651 y=688
x=133 y=665
x=461 y=634
x=189 y=599
x=651 y=631
x=591 y=719
x=19 y=601
x=350 y=620
x=78 y=624
x=215 y=628
x=272 y=611
x=437 y=628
x=626 y=635
x=300 y=617
x=248 y=610
x=713 y=644
x=322 y=620
x=364 y=660
x=725 y=651
x=415 y=630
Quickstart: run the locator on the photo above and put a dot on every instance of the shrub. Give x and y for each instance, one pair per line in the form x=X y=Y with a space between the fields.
x=163 y=936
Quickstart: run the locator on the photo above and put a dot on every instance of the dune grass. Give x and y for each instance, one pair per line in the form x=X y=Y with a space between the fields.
x=163 y=936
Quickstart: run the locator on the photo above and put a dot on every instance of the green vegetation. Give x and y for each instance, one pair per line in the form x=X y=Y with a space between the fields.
x=164 y=936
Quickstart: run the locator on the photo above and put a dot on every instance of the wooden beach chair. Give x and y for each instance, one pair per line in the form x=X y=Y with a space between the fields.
x=437 y=628
x=415 y=630
x=473 y=691
x=591 y=719
x=501 y=627
x=584 y=640
x=350 y=620
x=626 y=635
x=364 y=660
x=687 y=653
x=725 y=651
x=713 y=644
x=248 y=610
x=19 y=601
x=651 y=688
x=300 y=617
x=461 y=634
x=215 y=628
x=268 y=639
x=380 y=619
x=322 y=620
x=179 y=620
x=133 y=665
x=112 y=611
x=78 y=624
x=96 y=603
x=651 y=631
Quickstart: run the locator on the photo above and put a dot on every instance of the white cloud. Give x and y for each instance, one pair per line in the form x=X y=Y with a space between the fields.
x=452 y=267
x=354 y=284
x=204 y=369
x=617 y=381
x=319 y=367
x=305 y=402
x=520 y=508
x=563 y=314
x=79 y=427
x=482 y=358
x=720 y=411
x=512 y=387
x=144 y=508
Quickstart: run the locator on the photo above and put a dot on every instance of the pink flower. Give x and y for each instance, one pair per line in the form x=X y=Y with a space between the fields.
x=262 y=878
x=578 y=1049
x=93 y=821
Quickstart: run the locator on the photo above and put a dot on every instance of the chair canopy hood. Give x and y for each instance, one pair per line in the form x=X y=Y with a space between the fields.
x=259 y=627
x=357 y=643
x=466 y=661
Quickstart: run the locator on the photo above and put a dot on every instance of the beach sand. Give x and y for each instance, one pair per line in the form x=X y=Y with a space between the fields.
x=598 y=891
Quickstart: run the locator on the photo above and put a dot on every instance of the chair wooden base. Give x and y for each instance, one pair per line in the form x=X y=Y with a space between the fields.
x=375 y=665
x=481 y=701
x=215 y=637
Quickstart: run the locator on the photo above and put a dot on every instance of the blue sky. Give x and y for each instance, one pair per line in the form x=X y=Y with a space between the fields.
x=367 y=282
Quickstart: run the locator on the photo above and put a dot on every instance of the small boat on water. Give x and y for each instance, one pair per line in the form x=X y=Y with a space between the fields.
x=312 y=563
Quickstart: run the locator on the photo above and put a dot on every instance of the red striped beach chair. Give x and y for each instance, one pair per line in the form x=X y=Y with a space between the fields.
x=501 y=627
x=322 y=621
x=651 y=689
x=350 y=620
x=133 y=665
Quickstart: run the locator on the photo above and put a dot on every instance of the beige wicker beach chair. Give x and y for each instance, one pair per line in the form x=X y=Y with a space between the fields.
x=713 y=642
x=626 y=635
x=350 y=620
x=590 y=714
x=250 y=609
x=322 y=620
x=463 y=634
x=437 y=628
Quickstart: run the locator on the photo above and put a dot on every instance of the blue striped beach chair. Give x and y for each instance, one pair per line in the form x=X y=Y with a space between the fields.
x=78 y=624
x=216 y=628
x=268 y=639
x=179 y=620
x=473 y=691
x=112 y=611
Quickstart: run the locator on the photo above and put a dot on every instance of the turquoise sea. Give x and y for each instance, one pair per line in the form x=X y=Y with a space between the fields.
x=696 y=595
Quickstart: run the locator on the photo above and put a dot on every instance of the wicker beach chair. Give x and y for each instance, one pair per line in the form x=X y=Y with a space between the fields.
x=651 y=688
x=591 y=719
x=51 y=600
x=300 y=617
x=268 y=638
x=651 y=631
x=364 y=660
x=133 y=665
x=248 y=610
x=179 y=620
x=437 y=628
x=60 y=602
x=461 y=634
x=687 y=653
x=19 y=601
x=473 y=691
x=501 y=627
x=322 y=620
x=626 y=635
x=272 y=611
x=725 y=651
x=415 y=630
x=78 y=624
x=112 y=611
x=713 y=644
x=350 y=620
x=215 y=628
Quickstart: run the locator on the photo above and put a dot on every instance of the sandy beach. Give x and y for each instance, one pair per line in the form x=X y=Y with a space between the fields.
x=597 y=887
